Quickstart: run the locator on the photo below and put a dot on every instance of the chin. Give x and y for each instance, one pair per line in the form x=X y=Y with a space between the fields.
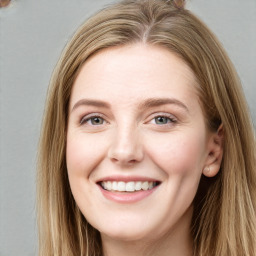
x=126 y=236
x=126 y=231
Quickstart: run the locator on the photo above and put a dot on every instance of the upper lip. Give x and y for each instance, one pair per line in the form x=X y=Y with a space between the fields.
x=126 y=178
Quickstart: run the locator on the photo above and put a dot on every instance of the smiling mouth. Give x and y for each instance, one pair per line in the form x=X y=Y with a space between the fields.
x=131 y=186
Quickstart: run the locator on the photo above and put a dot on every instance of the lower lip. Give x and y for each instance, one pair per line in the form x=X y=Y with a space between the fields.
x=127 y=197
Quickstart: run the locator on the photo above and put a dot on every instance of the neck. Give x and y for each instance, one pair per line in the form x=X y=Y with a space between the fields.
x=177 y=242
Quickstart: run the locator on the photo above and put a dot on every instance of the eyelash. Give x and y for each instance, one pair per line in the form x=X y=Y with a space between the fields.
x=170 y=119
x=87 y=118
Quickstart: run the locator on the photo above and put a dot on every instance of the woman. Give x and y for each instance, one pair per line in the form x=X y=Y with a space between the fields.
x=147 y=146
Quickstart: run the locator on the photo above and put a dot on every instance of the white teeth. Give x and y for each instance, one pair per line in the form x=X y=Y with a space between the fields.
x=109 y=185
x=121 y=186
x=144 y=185
x=138 y=185
x=104 y=185
x=130 y=186
x=114 y=185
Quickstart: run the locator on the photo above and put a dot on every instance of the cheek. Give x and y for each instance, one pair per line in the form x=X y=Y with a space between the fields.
x=82 y=155
x=178 y=154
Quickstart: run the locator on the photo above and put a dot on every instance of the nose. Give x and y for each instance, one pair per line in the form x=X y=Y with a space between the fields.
x=126 y=147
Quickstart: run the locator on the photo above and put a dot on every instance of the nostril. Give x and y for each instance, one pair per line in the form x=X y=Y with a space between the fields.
x=124 y=161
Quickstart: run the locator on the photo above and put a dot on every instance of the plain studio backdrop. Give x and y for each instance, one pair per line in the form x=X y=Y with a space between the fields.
x=32 y=36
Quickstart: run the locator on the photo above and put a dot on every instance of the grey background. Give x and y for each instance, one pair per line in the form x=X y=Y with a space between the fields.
x=32 y=35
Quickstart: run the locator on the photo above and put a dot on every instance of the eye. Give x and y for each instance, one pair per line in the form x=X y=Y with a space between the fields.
x=163 y=120
x=94 y=120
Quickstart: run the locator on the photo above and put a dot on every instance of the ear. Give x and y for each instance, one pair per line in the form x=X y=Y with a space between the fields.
x=215 y=153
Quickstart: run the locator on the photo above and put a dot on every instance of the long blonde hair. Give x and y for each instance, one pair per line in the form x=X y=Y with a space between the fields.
x=224 y=221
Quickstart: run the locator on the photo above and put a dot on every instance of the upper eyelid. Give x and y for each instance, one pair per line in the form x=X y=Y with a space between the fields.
x=164 y=114
x=91 y=115
x=172 y=120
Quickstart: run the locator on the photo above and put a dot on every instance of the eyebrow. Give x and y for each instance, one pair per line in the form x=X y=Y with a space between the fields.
x=88 y=102
x=149 y=103
x=155 y=102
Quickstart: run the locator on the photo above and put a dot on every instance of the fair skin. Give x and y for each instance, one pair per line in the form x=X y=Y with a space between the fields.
x=137 y=145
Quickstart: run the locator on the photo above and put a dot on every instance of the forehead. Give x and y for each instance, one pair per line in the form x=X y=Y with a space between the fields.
x=134 y=72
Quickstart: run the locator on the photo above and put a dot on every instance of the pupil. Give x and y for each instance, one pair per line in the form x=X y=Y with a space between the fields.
x=96 y=120
x=161 y=119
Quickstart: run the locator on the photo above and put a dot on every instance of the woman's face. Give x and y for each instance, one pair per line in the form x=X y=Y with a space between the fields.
x=136 y=143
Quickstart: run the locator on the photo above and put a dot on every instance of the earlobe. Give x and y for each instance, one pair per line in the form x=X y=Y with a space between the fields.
x=211 y=170
x=215 y=153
